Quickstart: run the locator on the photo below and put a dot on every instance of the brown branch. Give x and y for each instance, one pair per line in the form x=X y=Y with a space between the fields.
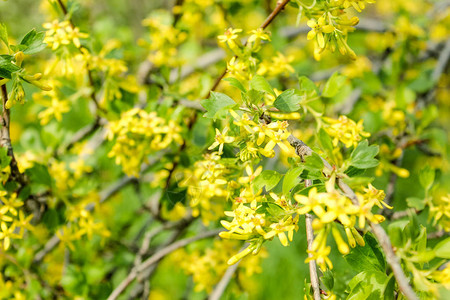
x=280 y=6
x=437 y=234
x=145 y=276
x=156 y=257
x=404 y=213
x=104 y=195
x=403 y=283
x=441 y=64
x=310 y=239
x=219 y=289
x=5 y=138
x=152 y=233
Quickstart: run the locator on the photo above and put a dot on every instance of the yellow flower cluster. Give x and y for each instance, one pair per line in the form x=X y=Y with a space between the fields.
x=12 y=220
x=114 y=71
x=64 y=179
x=345 y=130
x=55 y=103
x=246 y=63
x=259 y=134
x=330 y=208
x=207 y=187
x=440 y=212
x=62 y=33
x=82 y=222
x=207 y=266
x=12 y=288
x=443 y=276
x=252 y=220
x=387 y=156
x=330 y=24
x=137 y=134
x=164 y=40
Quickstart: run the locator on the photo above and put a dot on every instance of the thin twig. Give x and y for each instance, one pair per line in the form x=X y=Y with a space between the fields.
x=152 y=233
x=310 y=239
x=441 y=64
x=157 y=256
x=404 y=213
x=280 y=6
x=104 y=195
x=385 y=243
x=5 y=138
x=223 y=283
x=437 y=234
x=145 y=276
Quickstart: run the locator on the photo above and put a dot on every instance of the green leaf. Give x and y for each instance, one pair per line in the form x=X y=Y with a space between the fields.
x=267 y=178
x=288 y=101
x=333 y=85
x=442 y=249
x=254 y=96
x=7 y=67
x=39 y=174
x=325 y=142
x=368 y=285
x=363 y=156
x=373 y=243
x=390 y=288
x=328 y=279
x=291 y=179
x=259 y=83
x=416 y=203
x=314 y=162
x=426 y=177
x=5 y=159
x=367 y=258
x=51 y=218
x=34 y=42
x=4 y=34
x=274 y=209
x=236 y=83
x=217 y=105
x=308 y=86
x=421 y=240
x=395 y=231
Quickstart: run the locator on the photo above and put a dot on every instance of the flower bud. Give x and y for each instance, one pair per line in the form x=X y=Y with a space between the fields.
x=19 y=56
x=358 y=237
x=342 y=246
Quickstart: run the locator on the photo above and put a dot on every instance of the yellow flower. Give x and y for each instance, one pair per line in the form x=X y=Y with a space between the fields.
x=279 y=229
x=7 y=234
x=345 y=130
x=321 y=257
x=229 y=37
x=377 y=196
x=251 y=175
x=318 y=28
x=62 y=33
x=359 y=5
x=221 y=139
x=10 y=204
x=440 y=212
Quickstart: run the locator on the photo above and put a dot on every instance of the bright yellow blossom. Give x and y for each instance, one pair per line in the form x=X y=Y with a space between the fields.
x=229 y=37
x=221 y=138
x=318 y=28
x=345 y=130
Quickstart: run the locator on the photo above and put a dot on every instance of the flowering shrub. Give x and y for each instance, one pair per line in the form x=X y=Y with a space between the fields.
x=192 y=149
